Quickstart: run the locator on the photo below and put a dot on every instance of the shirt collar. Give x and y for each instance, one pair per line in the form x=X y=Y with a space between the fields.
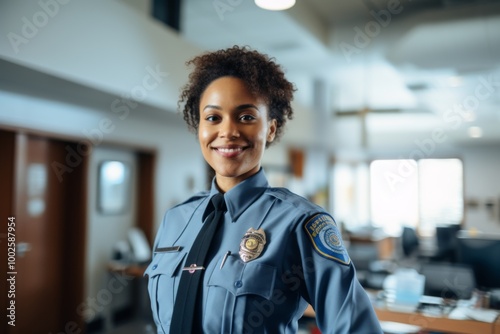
x=240 y=197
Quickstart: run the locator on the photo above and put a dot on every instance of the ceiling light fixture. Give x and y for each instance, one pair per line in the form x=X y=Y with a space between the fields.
x=455 y=81
x=275 y=4
x=475 y=132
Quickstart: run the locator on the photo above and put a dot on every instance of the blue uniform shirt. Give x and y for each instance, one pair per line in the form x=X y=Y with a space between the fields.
x=302 y=262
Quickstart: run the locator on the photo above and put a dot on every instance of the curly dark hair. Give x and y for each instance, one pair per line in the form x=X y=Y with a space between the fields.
x=263 y=77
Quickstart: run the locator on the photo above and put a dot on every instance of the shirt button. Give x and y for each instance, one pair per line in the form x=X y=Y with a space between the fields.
x=238 y=284
x=155 y=266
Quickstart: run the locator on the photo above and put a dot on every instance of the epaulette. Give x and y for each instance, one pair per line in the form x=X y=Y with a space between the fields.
x=195 y=197
x=296 y=200
x=282 y=193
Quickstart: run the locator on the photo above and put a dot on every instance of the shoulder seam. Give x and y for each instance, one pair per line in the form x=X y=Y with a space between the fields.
x=193 y=198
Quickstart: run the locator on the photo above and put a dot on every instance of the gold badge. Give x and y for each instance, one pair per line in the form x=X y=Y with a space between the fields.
x=252 y=244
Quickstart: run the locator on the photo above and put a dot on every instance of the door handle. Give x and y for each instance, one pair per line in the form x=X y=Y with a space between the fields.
x=22 y=248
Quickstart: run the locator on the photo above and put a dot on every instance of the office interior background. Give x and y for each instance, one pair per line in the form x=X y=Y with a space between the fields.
x=396 y=127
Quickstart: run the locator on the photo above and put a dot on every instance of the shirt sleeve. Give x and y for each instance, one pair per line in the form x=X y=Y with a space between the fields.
x=329 y=279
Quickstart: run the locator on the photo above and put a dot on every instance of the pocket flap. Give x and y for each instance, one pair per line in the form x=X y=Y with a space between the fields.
x=165 y=264
x=241 y=278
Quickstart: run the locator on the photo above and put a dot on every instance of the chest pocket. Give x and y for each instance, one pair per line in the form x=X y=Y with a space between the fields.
x=164 y=273
x=239 y=278
x=233 y=292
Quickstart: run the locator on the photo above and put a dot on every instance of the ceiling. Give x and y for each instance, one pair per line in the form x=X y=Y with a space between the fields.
x=373 y=74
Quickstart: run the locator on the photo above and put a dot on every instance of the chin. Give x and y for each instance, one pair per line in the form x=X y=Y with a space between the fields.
x=228 y=173
x=234 y=172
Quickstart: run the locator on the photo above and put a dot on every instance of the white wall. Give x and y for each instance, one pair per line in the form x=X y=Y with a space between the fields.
x=103 y=44
x=177 y=150
x=104 y=231
x=109 y=46
x=482 y=183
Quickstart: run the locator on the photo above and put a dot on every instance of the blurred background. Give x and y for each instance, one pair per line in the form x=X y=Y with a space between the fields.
x=395 y=132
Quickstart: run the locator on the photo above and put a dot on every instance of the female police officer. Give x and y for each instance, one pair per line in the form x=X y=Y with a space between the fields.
x=272 y=252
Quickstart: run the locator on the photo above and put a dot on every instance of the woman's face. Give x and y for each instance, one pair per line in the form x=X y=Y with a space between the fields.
x=233 y=130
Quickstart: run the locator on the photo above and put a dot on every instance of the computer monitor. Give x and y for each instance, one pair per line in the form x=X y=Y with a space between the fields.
x=482 y=253
x=446 y=242
x=448 y=280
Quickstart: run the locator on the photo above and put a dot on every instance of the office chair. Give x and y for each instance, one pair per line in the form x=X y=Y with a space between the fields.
x=409 y=241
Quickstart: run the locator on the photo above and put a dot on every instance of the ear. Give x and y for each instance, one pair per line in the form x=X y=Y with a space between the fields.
x=271 y=132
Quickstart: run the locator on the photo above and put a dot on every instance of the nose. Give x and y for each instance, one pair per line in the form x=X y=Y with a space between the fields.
x=229 y=129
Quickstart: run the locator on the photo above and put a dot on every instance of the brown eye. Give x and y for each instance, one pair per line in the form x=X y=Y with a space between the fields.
x=247 y=118
x=212 y=118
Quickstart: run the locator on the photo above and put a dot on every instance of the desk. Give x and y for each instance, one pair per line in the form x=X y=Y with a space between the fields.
x=443 y=323
x=384 y=244
x=134 y=270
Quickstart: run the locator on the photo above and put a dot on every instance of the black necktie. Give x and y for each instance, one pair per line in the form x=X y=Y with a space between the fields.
x=183 y=317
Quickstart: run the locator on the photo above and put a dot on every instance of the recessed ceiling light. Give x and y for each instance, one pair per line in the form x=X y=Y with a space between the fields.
x=475 y=132
x=455 y=81
x=275 y=4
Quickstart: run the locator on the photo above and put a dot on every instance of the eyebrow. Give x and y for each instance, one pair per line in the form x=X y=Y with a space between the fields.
x=211 y=106
x=240 y=107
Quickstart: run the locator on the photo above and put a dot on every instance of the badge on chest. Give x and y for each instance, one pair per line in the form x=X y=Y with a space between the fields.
x=252 y=244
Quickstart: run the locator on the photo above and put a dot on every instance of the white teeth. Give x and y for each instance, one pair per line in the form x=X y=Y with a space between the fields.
x=229 y=150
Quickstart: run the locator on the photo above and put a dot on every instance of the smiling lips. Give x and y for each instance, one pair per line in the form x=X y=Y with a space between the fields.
x=229 y=152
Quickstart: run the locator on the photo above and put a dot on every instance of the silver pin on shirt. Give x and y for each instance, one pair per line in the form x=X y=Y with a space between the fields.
x=224 y=259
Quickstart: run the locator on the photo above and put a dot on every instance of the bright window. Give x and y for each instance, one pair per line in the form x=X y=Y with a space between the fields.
x=393 y=193
x=350 y=194
x=421 y=194
x=441 y=194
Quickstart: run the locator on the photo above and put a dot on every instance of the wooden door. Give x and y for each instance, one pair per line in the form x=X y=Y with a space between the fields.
x=7 y=148
x=44 y=188
x=49 y=212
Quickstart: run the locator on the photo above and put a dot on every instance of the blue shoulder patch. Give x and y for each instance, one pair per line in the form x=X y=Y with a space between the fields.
x=326 y=238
